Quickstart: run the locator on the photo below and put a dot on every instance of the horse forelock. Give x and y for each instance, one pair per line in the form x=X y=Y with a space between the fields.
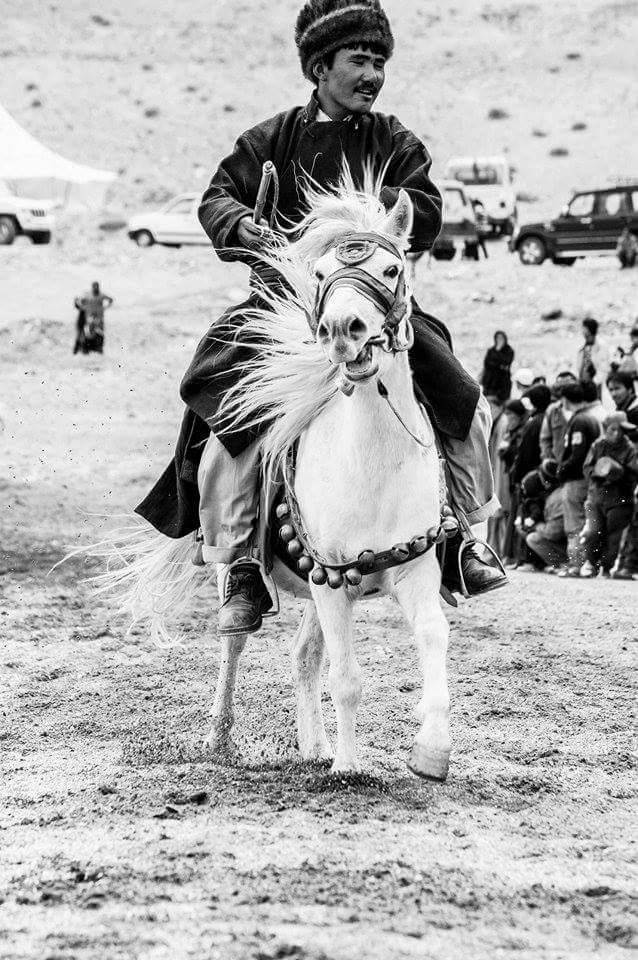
x=289 y=381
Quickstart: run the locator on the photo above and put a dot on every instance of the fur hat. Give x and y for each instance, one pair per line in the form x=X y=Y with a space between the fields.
x=327 y=25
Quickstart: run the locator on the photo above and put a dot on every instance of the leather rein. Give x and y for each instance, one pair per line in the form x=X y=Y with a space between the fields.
x=352 y=250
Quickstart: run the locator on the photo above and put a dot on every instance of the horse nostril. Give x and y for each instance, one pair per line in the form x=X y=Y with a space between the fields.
x=356 y=327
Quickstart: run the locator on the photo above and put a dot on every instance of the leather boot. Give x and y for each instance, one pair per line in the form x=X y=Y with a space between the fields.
x=245 y=600
x=479 y=576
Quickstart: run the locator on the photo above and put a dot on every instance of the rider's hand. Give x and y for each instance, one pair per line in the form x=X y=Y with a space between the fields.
x=253 y=235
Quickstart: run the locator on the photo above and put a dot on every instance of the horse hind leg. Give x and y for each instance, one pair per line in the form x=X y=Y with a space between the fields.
x=307 y=660
x=218 y=739
x=417 y=593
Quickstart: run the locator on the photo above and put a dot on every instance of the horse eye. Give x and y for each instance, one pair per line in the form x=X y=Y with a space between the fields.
x=319 y=275
x=391 y=272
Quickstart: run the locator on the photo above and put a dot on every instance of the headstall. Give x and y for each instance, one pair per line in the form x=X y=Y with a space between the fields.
x=353 y=250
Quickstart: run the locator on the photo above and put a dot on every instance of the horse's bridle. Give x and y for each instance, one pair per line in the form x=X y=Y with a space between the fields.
x=354 y=249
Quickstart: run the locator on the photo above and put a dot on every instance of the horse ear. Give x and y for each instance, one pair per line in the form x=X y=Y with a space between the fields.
x=401 y=218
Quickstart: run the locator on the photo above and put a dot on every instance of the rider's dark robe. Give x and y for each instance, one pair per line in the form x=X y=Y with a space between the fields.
x=299 y=145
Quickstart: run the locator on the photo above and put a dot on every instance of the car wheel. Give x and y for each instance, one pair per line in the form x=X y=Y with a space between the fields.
x=532 y=251
x=7 y=231
x=144 y=238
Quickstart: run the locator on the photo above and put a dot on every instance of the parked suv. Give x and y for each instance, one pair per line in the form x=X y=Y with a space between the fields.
x=589 y=225
x=21 y=216
x=488 y=180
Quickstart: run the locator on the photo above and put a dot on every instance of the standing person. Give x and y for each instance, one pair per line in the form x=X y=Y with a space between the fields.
x=611 y=467
x=528 y=454
x=80 y=324
x=627 y=249
x=214 y=478
x=554 y=426
x=496 y=378
x=623 y=393
x=517 y=414
x=582 y=431
x=497 y=524
x=592 y=359
x=93 y=304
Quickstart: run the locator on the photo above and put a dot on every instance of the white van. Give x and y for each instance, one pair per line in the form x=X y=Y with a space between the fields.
x=488 y=180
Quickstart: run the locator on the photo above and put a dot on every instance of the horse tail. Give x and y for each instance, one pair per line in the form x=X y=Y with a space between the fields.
x=151 y=579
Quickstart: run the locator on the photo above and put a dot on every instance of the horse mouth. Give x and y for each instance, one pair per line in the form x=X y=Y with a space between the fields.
x=363 y=366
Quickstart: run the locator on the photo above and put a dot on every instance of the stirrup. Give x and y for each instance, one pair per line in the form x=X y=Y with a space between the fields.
x=472 y=543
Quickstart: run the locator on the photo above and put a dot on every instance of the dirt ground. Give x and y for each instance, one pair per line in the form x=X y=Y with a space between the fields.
x=120 y=838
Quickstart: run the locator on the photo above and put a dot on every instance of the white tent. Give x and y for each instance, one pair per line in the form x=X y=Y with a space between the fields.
x=32 y=170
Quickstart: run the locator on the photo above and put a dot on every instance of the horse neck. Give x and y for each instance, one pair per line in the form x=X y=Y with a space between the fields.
x=367 y=416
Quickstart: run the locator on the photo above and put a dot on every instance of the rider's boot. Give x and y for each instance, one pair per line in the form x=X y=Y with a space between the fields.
x=245 y=599
x=479 y=575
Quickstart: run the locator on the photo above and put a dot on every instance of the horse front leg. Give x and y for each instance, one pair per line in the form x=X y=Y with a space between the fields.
x=417 y=590
x=307 y=654
x=219 y=739
x=334 y=610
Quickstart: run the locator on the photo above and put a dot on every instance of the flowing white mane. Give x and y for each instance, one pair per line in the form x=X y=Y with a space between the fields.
x=289 y=380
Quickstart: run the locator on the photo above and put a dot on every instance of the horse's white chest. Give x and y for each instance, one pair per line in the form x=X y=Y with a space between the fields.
x=362 y=482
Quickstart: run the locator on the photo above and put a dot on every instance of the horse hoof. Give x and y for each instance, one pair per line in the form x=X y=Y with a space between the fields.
x=428 y=763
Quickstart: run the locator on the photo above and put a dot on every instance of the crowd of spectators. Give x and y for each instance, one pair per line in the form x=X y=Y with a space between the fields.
x=566 y=465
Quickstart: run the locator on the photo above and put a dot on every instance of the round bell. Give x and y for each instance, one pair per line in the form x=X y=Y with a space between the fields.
x=353 y=577
x=433 y=534
x=335 y=579
x=446 y=511
x=450 y=526
x=419 y=545
x=295 y=548
x=366 y=559
x=282 y=510
x=305 y=563
x=319 y=576
x=400 y=551
x=287 y=532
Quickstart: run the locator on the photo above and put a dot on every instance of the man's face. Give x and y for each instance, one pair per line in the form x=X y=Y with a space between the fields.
x=95 y=287
x=613 y=433
x=589 y=336
x=352 y=83
x=619 y=392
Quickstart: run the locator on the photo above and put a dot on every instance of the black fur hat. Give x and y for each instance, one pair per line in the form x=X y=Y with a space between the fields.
x=327 y=25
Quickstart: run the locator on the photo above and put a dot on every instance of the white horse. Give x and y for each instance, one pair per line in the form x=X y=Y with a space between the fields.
x=367 y=468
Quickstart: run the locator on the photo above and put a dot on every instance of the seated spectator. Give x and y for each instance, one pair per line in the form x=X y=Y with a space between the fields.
x=611 y=467
x=542 y=510
x=582 y=430
x=623 y=393
x=552 y=435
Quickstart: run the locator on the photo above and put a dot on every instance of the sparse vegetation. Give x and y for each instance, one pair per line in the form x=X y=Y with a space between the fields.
x=497 y=113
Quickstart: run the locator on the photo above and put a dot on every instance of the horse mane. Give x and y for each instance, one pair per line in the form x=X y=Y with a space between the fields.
x=289 y=381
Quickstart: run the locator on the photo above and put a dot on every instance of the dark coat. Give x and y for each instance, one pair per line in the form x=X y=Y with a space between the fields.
x=297 y=143
x=496 y=379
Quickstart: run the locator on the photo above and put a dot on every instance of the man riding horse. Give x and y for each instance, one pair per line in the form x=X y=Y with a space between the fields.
x=343 y=46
